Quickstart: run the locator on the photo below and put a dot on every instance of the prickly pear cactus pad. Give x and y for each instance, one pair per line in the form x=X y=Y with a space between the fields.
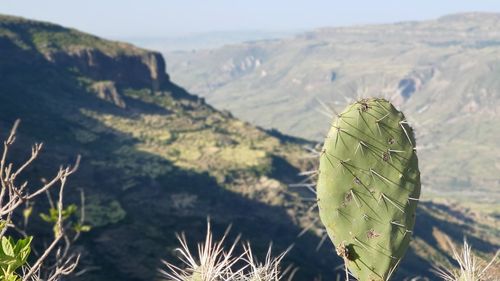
x=368 y=187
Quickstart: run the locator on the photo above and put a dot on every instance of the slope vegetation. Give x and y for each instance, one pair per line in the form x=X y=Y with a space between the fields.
x=443 y=73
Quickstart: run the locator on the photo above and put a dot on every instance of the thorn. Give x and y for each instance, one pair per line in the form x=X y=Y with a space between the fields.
x=309 y=226
x=382 y=177
x=360 y=145
x=355 y=199
x=342 y=162
x=393 y=268
x=378 y=128
x=356 y=149
x=321 y=242
x=340 y=129
x=357 y=118
x=398 y=224
x=406 y=133
x=327 y=114
x=362 y=244
x=330 y=110
x=378 y=120
x=309 y=199
x=397 y=151
x=392 y=202
x=337 y=137
x=312 y=190
x=309 y=178
x=311 y=150
x=313 y=206
x=302 y=185
x=306 y=173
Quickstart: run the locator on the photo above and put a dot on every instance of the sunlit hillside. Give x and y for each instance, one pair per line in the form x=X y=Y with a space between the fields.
x=443 y=73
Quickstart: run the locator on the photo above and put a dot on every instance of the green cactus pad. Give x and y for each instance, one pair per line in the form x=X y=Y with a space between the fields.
x=368 y=187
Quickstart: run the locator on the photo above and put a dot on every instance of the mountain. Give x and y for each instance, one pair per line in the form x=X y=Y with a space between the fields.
x=443 y=73
x=158 y=160
x=205 y=40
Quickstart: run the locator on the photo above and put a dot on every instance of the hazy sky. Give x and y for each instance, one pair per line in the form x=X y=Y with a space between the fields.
x=159 y=18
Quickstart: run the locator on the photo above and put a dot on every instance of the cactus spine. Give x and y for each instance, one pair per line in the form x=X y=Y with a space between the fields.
x=368 y=187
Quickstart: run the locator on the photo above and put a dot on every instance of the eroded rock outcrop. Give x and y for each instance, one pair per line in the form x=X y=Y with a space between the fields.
x=145 y=69
x=107 y=91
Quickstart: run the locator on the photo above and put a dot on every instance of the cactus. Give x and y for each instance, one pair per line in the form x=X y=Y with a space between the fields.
x=368 y=187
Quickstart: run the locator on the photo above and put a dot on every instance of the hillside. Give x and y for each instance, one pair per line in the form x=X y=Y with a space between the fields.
x=443 y=73
x=158 y=160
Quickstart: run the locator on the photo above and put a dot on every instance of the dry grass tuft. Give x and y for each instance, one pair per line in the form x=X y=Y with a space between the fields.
x=213 y=263
x=470 y=267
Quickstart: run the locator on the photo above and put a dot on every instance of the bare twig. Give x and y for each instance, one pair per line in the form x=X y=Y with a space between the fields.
x=13 y=195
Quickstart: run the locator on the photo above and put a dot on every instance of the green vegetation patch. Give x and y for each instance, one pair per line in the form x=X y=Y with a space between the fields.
x=101 y=211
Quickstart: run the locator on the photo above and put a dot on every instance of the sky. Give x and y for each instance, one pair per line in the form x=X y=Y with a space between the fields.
x=165 y=18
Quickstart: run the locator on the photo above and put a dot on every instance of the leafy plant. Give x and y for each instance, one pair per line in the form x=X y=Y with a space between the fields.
x=68 y=215
x=13 y=255
x=54 y=261
x=53 y=214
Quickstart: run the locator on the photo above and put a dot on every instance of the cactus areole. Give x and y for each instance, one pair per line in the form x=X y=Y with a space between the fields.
x=368 y=187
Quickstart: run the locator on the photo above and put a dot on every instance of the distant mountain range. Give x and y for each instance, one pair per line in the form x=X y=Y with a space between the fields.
x=159 y=160
x=205 y=40
x=443 y=73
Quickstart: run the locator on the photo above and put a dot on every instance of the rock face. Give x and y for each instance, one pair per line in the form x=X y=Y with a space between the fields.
x=147 y=69
x=106 y=90
x=84 y=54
